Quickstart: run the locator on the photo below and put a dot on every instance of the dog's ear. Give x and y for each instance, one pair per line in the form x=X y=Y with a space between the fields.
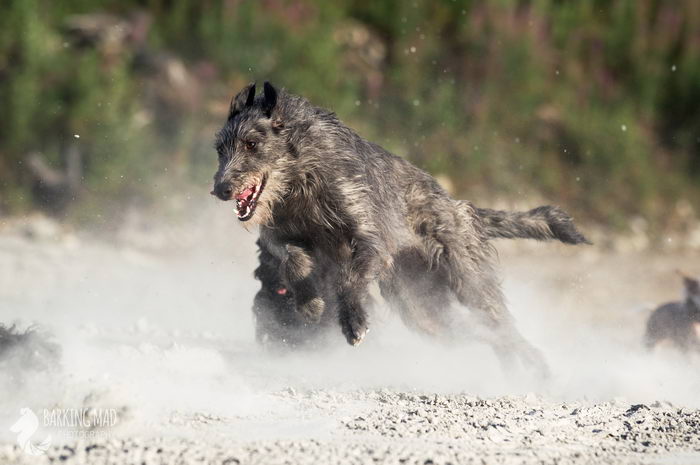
x=270 y=99
x=692 y=286
x=244 y=98
x=295 y=135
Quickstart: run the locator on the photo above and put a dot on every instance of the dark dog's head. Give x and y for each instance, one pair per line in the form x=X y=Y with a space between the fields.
x=692 y=292
x=254 y=154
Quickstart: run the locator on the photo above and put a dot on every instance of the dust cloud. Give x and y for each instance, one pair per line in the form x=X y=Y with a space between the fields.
x=154 y=320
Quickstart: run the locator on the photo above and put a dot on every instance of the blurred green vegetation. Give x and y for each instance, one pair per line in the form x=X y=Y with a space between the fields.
x=593 y=105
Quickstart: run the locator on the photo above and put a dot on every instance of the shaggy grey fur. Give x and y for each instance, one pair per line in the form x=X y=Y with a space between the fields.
x=279 y=325
x=675 y=321
x=326 y=199
x=541 y=223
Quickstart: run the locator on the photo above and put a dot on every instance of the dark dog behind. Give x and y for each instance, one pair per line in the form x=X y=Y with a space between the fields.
x=277 y=322
x=326 y=199
x=676 y=322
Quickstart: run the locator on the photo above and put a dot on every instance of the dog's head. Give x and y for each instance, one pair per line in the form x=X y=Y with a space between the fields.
x=255 y=154
x=692 y=291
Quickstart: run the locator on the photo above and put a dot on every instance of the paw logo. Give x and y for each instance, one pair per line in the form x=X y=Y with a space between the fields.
x=25 y=428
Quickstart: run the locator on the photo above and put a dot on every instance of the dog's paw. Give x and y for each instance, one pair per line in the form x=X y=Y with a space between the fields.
x=355 y=329
x=312 y=310
x=356 y=338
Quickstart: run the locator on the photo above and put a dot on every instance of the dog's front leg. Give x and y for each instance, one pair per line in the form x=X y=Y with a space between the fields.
x=298 y=266
x=353 y=287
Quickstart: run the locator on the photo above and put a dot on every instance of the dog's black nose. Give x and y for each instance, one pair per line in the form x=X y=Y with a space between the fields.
x=223 y=190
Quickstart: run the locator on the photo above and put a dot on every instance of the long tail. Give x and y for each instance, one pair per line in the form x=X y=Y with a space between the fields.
x=541 y=223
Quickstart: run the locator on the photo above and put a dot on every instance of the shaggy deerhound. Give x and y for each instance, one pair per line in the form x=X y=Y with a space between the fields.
x=676 y=321
x=279 y=325
x=326 y=199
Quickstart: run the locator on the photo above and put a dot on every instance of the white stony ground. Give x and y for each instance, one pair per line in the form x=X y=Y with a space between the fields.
x=410 y=428
x=154 y=323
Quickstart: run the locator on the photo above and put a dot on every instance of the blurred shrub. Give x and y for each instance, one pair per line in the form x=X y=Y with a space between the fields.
x=594 y=105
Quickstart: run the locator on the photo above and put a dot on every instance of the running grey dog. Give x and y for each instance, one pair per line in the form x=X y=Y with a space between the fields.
x=327 y=199
x=676 y=321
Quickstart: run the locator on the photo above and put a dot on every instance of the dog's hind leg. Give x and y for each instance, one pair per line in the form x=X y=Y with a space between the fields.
x=417 y=294
x=510 y=346
x=487 y=302
x=500 y=332
x=424 y=300
x=465 y=258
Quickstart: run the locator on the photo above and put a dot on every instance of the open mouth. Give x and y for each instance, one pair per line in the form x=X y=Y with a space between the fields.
x=247 y=200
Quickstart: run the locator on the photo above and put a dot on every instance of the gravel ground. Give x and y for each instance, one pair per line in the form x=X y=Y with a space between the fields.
x=387 y=426
x=162 y=336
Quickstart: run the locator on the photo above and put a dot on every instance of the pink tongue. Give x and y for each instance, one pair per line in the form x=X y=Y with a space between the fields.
x=245 y=194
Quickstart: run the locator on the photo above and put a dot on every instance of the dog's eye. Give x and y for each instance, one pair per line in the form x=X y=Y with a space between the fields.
x=250 y=145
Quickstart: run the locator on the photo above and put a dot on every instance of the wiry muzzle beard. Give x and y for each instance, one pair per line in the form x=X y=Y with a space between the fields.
x=272 y=195
x=247 y=198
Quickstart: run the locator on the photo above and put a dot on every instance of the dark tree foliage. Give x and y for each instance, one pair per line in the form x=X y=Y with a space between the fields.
x=594 y=105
